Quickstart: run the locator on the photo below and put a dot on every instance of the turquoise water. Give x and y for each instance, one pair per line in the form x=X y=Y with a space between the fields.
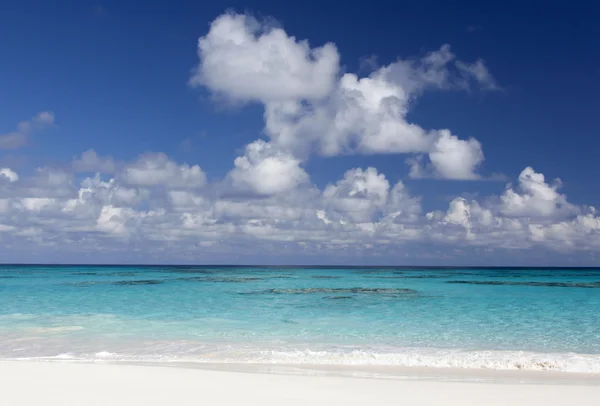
x=476 y=318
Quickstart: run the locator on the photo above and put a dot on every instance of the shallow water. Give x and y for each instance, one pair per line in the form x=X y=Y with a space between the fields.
x=541 y=319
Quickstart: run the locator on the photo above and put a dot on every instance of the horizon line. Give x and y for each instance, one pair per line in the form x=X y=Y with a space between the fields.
x=2 y=264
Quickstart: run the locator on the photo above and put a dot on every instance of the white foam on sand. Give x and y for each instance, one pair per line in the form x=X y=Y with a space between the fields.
x=501 y=360
x=54 y=384
x=406 y=357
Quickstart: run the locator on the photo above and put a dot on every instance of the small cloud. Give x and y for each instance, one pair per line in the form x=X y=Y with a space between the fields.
x=20 y=136
x=478 y=72
x=472 y=28
x=9 y=174
x=89 y=161
x=369 y=63
x=498 y=177
x=467 y=195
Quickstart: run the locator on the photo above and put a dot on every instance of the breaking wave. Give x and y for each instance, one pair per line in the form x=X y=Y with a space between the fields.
x=422 y=357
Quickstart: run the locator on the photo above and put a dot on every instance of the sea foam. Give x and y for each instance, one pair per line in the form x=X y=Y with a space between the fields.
x=422 y=357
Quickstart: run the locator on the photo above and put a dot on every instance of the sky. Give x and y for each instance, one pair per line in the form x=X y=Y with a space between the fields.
x=269 y=132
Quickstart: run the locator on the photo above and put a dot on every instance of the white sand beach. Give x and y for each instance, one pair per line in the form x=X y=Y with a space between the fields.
x=54 y=384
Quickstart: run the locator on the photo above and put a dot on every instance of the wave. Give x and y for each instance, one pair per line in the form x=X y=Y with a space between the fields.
x=422 y=357
x=500 y=360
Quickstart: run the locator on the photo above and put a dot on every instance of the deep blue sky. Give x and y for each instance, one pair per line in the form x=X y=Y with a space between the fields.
x=115 y=75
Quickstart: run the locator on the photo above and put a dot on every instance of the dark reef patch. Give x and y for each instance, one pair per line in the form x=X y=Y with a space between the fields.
x=289 y=321
x=204 y=271
x=122 y=274
x=138 y=282
x=279 y=277
x=427 y=276
x=370 y=271
x=337 y=291
x=84 y=283
x=409 y=277
x=233 y=279
x=325 y=277
x=589 y=285
x=104 y=274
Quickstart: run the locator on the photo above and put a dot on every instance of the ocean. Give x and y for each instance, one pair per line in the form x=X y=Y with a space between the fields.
x=493 y=318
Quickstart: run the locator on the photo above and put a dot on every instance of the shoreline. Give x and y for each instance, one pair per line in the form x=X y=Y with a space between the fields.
x=376 y=372
x=402 y=373
x=60 y=383
x=426 y=362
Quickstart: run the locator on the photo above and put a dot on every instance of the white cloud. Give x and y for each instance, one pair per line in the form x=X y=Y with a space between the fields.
x=37 y=204
x=8 y=174
x=321 y=215
x=310 y=108
x=20 y=137
x=359 y=196
x=44 y=118
x=467 y=215
x=158 y=170
x=478 y=72
x=449 y=158
x=364 y=196
x=536 y=197
x=5 y=205
x=266 y=170
x=111 y=220
x=459 y=212
x=432 y=71
x=534 y=214
x=362 y=115
x=44 y=182
x=440 y=70
x=96 y=192
x=91 y=162
x=244 y=59
x=362 y=211
x=5 y=228
x=114 y=220
x=186 y=200
x=52 y=177
x=368 y=116
x=401 y=206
